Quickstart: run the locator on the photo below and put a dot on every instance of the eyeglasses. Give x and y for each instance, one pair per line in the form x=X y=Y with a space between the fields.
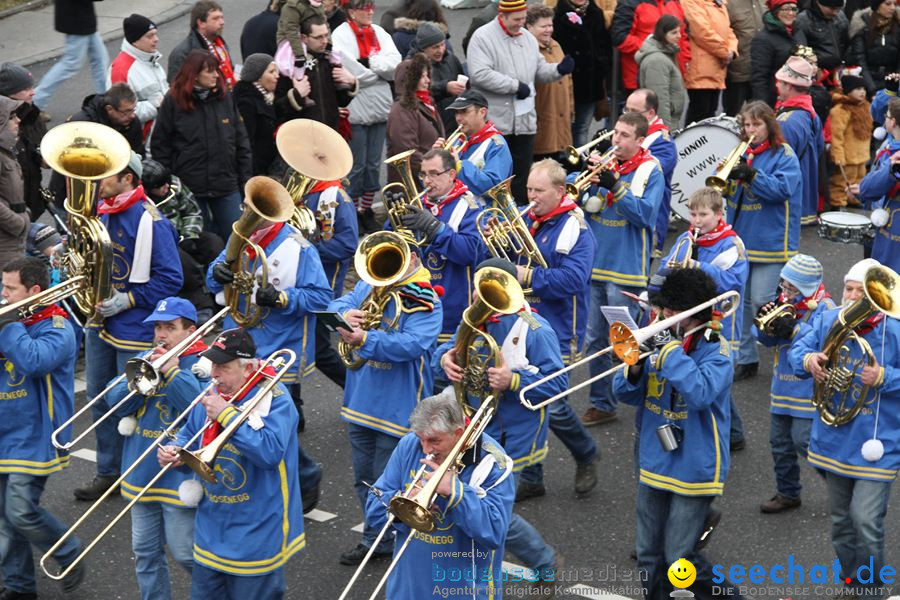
x=127 y=111
x=431 y=174
x=324 y=36
x=789 y=9
x=627 y=110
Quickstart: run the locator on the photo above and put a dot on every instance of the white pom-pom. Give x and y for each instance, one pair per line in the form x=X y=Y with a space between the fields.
x=202 y=368
x=879 y=217
x=593 y=205
x=873 y=450
x=128 y=425
x=880 y=133
x=190 y=492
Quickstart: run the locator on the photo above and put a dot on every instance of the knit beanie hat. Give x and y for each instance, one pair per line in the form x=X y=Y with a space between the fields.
x=803 y=272
x=774 y=5
x=255 y=66
x=832 y=3
x=427 y=35
x=509 y=6
x=14 y=79
x=858 y=271
x=851 y=82
x=46 y=237
x=136 y=26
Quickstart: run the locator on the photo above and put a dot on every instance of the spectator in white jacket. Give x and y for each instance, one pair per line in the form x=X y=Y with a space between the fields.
x=504 y=64
x=138 y=65
x=369 y=54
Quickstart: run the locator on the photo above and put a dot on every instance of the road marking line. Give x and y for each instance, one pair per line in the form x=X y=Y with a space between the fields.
x=86 y=454
x=80 y=385
x=359 y=528
x=319 y=516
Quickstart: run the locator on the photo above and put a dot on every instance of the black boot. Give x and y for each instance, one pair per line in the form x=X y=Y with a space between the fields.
x=747 y=371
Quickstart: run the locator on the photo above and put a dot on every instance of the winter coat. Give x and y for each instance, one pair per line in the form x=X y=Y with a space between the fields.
x=75 y=17
x=374 y=99
x=193 y=41
x=497 y=63
x=144 y=73
x=769 y=50
x=851 y=130
x=554 y=107
x=584 y=38
x=712 y=42
x=411 y=129
x=258 y=34
x=827 y=37
x=482 y=17
x=746 y=18
x=659 y=72
x=323 y=92
x=259 y=121
x=206 y=147
x=294 y=12
x=633 y=22
x=31 y=130
x=878 y=53
x=14 y=219
x=442 y=73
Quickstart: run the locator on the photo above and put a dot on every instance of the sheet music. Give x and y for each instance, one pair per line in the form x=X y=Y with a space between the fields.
x=618 y=313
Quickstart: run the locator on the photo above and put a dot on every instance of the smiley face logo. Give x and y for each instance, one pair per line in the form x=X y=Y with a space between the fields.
x=682 y=573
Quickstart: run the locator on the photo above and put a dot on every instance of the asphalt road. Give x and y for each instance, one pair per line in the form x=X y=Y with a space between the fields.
x=595 y=534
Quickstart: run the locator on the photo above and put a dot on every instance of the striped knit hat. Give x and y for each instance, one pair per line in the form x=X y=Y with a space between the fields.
x=803 y=272
x=509 y=6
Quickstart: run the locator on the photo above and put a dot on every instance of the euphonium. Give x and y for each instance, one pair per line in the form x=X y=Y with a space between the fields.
x=84 y=153
x=264 y=200
x=381 y=260
x=455 y=141
x=882 y=294
x=686 y=246
x=503 y=231
x=406 y=199
x=719 y=181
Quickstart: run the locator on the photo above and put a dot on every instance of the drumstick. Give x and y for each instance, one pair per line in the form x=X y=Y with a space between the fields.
x=846 y=181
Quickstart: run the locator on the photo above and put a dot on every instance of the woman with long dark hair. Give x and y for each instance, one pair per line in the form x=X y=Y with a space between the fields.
x=200 y=137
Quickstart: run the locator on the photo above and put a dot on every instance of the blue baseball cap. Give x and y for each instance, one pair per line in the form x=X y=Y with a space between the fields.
x=172 y=308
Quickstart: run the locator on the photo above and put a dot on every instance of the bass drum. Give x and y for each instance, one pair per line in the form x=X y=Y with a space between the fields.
x=701 y=147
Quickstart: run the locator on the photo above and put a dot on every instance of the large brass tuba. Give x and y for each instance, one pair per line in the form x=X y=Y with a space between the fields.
x=314 y=152
x=882 y=293
x=503 y=231
x=719 y=181
x=85 y=153
x=381 y=261
x=402 y=198
x=264 y=200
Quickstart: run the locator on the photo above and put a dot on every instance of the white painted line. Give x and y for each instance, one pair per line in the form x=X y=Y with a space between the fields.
x=319 y=516
x=86 y=454
x=80 y=385
x=359 y=528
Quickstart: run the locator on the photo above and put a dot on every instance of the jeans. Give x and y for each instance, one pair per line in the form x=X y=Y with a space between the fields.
x=858 y=508
x=155 y=525
x=76 y=46
x=220 y=212
x=25 y=523
x=524 y=541
x=788 y=437
x=762 y=287
x=581 y=123
x=207 y=583
x=568 y=428
x=521 y=147
x=367 y=145
x=102 y=363
x=604 y=293
x=370 y=450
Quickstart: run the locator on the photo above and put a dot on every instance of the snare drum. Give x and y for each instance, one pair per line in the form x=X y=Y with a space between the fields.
x=846 y=227
x=701 y=146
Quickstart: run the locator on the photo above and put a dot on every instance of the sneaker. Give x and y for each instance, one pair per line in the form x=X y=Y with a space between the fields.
x=746 y=371
x=526 y=490
x=544 y=590
x=594 y=416
x=9 y=594
x=96 y=488
x=310 y=498
x=585 y=478
x=779 y=503
x=713 y=516
x=356 y=555
x=71 y=581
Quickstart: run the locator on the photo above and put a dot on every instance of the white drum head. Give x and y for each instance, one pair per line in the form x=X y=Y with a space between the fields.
x=701 y=146
x=844 y=219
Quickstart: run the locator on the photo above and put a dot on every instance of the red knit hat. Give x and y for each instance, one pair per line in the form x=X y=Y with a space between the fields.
x=509 y=6
x=774 y=5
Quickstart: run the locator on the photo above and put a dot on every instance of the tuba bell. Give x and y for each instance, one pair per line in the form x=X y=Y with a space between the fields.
x=403 y=197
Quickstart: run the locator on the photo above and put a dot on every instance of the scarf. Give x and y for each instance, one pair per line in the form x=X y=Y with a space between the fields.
x=436 y=208
x=321 y=186
x=484 y=133
x=122 y=202
x=196 y=348
x=366 y=39
x=263 y=237
x=505 y=30
x=804 y=102
x=869 y=324
x=657 y=125
x=425 y=98
x=808 y=303
x=720 y=231
x=214 y=428
x=757 y=149
x=269 y=97
x=44 y=314
x=640 y=157
x=566 y=203
x=218 y=49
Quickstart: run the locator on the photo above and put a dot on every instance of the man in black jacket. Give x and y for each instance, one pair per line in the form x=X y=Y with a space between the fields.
x=207 y=25
x=824 y=27
x=258 y=34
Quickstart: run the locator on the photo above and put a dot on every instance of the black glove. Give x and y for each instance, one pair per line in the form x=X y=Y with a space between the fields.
x=783 y=327
x=892 y=84
x=222 y=273
x=267 y=295
x=189 y=245
x=18 y=208
x=607 y=179
x=566 y=65
x=423 y=221
x=742 y=171
x=660 y=339
x=523 y=92
x=603 y=146
x=11 y=316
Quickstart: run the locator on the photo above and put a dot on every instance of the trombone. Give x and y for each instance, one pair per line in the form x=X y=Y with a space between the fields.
x=626 y=344
x=574 y=155
x=29 y=306
x=143 y=377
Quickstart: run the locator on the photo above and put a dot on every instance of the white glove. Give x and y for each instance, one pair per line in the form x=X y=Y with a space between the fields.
x=118 y=302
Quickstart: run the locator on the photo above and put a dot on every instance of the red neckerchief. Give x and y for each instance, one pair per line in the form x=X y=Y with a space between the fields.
x=803 y=101
x=196 y=348
x=459 y=188
x=265 y=240
x=657 y=125
x=565 y=205
x=321 y=186
x=640 y=157
x=214 y=428
x=803 y=304
x=869 y=324
x=42 y=315
x=689 y=342
x=484 y=133
x=505 y=30
x=495 y=318
x=757 y=149
x=122 y=202
x=366 y=39
x=722 y=230
x=425 y=97
x=218 y=49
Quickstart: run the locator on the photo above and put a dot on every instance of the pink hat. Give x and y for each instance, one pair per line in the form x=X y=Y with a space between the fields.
x=796 y=71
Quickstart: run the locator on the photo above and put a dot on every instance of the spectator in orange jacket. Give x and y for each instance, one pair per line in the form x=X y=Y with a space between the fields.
x=713 y=47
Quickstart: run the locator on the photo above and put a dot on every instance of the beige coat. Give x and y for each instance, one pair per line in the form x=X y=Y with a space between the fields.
x=554 y=106
x=712 y=42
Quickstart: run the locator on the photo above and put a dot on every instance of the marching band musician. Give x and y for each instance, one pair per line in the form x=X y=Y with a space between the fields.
x=862 y=457
x=146 y=268
x=682 y=395
x=484 y=158
x=250 y=522
x=791 y=406
x=623 y=205
x=36 y=385
x=473 y=508
x=160 y=518
x=452 y=244
x=380 y=395
x=764 y=207
x=560 y=295
x=297 y=286
x=530 y=351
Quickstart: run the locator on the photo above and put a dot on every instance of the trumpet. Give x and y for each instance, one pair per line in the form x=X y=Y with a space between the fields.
x=574 y=155
x=143 y=377
x=685 y=245
x=719 y=181
x=455 y=141
x=406 y=189
x=765 y=321
x=504 y=232
x=583 y=180
x=626 y=344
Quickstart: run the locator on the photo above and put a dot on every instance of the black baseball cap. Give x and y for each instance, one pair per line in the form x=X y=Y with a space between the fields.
x=468 y=98
x=231 y=345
